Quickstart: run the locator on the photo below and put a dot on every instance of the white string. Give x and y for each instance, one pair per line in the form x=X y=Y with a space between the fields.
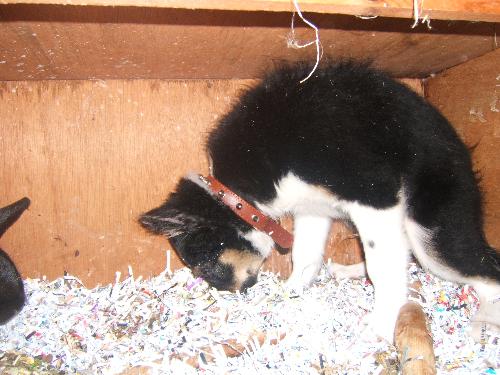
x=417 y=14
x=293 y=43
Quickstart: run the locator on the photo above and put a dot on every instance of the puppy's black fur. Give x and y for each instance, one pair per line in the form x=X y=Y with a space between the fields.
x=200 y=228
x=350 y=129
x=12 y=296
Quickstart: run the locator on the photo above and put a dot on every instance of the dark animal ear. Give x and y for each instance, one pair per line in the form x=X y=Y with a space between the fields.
x=169 y=222
x=12 y=212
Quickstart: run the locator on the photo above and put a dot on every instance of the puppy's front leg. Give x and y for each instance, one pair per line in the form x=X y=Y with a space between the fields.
x=386 y=252
x=310 y=235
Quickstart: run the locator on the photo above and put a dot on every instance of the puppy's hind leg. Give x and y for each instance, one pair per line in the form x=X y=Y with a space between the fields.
x=310 y=235
x=386 y=252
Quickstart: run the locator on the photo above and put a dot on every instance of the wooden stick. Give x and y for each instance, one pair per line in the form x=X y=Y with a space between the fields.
x=413 y=339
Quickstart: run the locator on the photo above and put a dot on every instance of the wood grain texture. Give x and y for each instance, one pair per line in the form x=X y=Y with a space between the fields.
x=71 y=42
x=469 y=96
x=470 y=10
x=92 y=156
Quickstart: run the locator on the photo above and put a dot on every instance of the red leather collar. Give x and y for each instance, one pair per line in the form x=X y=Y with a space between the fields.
x=249 y=213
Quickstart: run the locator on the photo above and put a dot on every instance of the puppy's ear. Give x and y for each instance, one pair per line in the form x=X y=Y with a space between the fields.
x=168 y=221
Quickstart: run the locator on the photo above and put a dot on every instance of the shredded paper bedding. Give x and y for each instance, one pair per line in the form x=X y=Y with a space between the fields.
x=174 y=323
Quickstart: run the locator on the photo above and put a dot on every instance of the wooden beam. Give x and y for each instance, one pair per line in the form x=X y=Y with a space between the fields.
x=471 y=10
x=41 y=42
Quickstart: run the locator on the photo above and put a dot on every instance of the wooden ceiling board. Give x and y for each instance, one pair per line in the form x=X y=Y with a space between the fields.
x=41 y=42
x=472 y=10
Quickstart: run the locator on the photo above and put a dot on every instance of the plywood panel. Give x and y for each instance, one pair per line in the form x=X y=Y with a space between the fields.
x=93 y=155
x=68 y=42
x=471 y=10
x=469 y=96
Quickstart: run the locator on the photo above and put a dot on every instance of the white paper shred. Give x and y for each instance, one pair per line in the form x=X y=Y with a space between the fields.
x=161 y=323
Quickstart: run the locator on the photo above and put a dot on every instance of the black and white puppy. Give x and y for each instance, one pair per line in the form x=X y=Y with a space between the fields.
x=12 y=297
x=348 y=143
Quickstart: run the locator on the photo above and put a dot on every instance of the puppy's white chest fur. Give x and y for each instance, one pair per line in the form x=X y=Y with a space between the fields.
x=296 y=197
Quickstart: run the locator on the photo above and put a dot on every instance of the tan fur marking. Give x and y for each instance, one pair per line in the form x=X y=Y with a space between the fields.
x=324 y=191
x=244 y=264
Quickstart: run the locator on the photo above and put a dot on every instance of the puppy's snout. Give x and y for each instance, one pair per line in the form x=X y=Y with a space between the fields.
x=245 y=266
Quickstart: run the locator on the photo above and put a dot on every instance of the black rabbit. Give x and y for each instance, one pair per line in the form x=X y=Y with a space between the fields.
x=12 y=297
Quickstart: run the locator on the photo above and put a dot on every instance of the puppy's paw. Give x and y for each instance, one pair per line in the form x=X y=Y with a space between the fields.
x=301 y=279
x=294 y=285
x=353 y=271
x=382 y=324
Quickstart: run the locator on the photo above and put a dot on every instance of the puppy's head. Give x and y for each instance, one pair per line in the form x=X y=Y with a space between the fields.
x=207 y=236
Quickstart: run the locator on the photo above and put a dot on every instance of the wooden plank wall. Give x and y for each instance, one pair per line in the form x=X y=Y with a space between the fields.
x=469 y=96
x=93 y=155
